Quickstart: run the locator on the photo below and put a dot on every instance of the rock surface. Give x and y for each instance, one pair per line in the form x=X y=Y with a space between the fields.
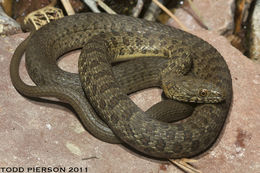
x=8 y=25
x=47 y=135
x=217 y=15
x=254 y=38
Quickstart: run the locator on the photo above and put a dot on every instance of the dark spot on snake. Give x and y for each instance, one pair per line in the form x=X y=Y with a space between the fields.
x=128 y=112
x=101 y=35
x=160 y=145
x=114 y=41
x=143 y=51
x=104 y=87
x=204 y=120
x=185 y=153
x=93 y=64
x=102 y=104
x=175 y=53
x=100 y=74
x=187 y=135
x=208 y=51
x=148 y=150
x=138 y=41
x=129 y=131
x=208 y=76
x=177 y=147
x=131 y=50
x=207 y=141
x=150 y=128
x=67 y=30
x=145 y=140
x=175 y=42
x=219 y=83
x=104 y=61
x=151 y=42
x=134 y=28
x=114 y=118
x=180 y=127
x=172 y=64
x=147 y=118
x=126 y=41
x=170 y=135
x=214 y=117
x=155 y=51
x=163 y=43
x=147 y=35
x=94 y=89
x=180 y=50
x=194 y=125
x=166 y=53
x=94 y=102
x=121 y=51
x=113 y=102
x=195 y=144
x=217 y=69
x=95 y=25
x=130 y=34
x=171 y=47
x=162 y=36
x=37 y=77
x=92 y=49
x=122 y=96
x=184 y=56
x=34 y=71
x=196 y=45
x=208 y=108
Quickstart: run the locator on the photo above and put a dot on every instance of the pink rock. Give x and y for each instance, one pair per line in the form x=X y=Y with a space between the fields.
x=8 y=26
x=39 y=134
x=217 y=15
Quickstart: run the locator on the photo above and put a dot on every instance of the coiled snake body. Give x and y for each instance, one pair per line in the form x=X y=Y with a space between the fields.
x=155 y=138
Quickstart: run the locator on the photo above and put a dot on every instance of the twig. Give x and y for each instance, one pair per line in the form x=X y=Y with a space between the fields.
x=68 y=7
x=184 y=164
x=197 y=13
x=92 y=5
x=152 y=12
x=170 y=14
x=89 y=158
x=105 y=7
x=138 y=8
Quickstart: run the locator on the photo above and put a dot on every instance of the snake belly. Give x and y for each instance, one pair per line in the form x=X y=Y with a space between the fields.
x=154 y=138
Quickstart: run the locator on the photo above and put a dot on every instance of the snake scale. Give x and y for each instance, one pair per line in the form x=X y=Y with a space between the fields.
x=152 y=137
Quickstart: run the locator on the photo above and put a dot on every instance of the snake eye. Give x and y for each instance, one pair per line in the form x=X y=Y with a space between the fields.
x=203 y=92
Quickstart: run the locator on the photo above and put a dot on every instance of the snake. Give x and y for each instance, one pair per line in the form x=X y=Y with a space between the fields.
x=155 y=138
x=143 y=71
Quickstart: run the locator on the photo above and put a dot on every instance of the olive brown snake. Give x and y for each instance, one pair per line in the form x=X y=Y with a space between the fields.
x=155 y=138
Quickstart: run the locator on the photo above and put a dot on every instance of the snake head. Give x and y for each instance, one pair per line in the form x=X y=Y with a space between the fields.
x=190 y=89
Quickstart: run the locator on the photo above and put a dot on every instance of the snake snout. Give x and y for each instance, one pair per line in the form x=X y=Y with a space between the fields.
x=195 y=90
x=216 y=96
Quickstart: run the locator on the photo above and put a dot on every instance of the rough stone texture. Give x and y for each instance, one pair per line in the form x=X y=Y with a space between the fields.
x=254 y=38
x=217 y=15
x=42 y=134
x=8 y=25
